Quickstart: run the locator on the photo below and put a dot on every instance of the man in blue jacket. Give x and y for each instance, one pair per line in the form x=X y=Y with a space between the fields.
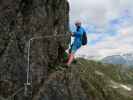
x=77 y=41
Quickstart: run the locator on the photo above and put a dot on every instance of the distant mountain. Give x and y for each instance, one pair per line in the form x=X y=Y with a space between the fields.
x=115 y=59
x=126 y=59
x=129 y=58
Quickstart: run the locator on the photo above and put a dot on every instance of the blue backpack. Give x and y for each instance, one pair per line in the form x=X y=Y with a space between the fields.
x=84 y=39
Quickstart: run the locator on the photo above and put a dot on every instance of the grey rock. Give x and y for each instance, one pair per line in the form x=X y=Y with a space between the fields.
x=62 y=85
x=20 y=20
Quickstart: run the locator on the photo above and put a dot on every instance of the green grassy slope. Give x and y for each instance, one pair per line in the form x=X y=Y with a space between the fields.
x=104 y=81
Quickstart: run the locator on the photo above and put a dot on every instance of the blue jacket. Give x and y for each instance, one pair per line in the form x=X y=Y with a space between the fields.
x=78 y=37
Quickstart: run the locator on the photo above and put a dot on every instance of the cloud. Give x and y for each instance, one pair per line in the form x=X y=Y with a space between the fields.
x=97 y=11
x=109 y=24
x=122 y=43
x=88 y=11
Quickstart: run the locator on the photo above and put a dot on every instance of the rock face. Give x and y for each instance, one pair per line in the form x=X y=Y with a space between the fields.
x=62 y=85
x=21 y=20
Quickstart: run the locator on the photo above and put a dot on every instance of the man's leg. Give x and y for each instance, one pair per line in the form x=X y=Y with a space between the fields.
x=70 y=58
x=73 y=50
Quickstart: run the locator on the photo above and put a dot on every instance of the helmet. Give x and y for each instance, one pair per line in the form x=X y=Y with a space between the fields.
x=78 y=23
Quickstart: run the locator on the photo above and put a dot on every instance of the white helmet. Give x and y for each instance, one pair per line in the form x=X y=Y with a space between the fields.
x=78 y=22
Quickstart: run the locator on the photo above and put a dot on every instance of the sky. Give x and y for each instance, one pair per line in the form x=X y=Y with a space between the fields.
x=109 y=25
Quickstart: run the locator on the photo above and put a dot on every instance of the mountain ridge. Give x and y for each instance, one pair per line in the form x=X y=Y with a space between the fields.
x=124 y=59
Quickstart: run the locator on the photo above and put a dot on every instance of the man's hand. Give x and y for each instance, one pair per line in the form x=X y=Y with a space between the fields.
x=72 y=33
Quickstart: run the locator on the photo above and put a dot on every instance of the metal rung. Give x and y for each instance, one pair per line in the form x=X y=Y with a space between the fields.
x=28 y=90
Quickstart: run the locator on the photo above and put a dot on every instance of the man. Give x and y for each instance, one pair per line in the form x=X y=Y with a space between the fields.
x=78 y=34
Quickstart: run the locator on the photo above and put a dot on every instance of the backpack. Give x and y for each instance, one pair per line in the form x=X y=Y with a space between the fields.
x=84 y=39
